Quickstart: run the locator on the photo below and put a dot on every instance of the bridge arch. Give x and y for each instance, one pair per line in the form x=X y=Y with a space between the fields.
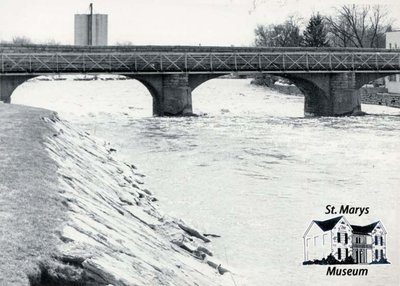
x=332 y=94
x=316 y=100
x=326 y=94
x=153 y=85
x=172 y=93
x=9 y=83
x=378 y=95
x=80 y=90
x=195 y=80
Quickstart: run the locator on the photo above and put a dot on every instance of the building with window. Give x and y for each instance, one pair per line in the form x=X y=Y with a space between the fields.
x=338 y=237
x=393 y=42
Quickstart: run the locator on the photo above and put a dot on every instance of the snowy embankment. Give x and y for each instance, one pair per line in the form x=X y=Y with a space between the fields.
x=114 y=233
x=72 y=215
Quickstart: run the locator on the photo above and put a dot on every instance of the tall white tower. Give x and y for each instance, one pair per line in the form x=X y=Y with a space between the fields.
x=91 y=29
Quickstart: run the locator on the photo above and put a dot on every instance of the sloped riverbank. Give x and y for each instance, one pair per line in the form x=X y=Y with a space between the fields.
x=74 y=215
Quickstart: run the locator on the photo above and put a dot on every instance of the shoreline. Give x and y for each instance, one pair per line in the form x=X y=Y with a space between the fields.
x=368 y=95
x=97 y=224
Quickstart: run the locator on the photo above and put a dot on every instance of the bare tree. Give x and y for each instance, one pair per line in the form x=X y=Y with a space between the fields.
x=51 y=42
x=263 y=36
x=24 y=40
x=380 y=25
x=21 y=40
x=124 y=43
x=282 y=35
x=360 y=26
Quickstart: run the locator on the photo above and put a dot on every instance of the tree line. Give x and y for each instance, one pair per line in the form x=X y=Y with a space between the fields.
x=360 y=26
x=24 y=40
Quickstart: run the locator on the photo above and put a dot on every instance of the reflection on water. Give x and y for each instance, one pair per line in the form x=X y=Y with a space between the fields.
x=251 y=169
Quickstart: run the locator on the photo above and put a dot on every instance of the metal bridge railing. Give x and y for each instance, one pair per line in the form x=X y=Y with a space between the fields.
x=141 y=62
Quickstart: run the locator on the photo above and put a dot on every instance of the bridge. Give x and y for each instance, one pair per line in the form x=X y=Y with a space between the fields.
x=329 y=78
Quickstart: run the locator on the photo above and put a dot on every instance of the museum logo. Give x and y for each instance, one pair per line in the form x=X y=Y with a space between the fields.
x=336 y=242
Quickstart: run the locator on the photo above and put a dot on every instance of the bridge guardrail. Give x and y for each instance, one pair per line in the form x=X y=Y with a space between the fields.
x=151 y=62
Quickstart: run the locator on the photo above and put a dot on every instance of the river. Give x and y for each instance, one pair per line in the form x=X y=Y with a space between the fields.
x=251 y=168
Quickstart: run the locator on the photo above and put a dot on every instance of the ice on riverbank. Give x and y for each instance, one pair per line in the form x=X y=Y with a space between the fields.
x=115 y=234
x=78 y=77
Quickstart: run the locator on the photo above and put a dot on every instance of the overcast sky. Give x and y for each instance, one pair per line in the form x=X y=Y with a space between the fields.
x=190 y=22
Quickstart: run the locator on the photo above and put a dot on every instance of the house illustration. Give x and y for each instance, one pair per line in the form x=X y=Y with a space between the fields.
x=337 y=237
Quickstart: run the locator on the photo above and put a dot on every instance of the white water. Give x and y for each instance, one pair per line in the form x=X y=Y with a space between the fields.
x=252 y=170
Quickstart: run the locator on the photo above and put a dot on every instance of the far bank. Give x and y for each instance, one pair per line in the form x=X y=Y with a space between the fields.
x=376 y=94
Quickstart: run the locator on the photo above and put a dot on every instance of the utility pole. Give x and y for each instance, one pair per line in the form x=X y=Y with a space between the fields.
x=90 y=20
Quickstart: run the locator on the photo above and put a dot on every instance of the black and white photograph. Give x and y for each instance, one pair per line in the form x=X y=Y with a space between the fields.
x=199 y=142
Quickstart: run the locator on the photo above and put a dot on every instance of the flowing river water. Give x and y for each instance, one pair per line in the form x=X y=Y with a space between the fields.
x=251 y=168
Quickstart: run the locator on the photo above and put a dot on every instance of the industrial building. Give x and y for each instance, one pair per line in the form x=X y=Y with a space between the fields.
x=393 y=42
x=91 y=29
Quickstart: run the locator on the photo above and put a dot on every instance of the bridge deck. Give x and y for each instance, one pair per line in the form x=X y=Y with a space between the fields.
x=222 y=60
x=12 y=48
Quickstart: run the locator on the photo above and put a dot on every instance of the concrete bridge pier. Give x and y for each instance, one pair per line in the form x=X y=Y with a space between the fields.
x=8 y=83
x=172 y=93
x=329 y=94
